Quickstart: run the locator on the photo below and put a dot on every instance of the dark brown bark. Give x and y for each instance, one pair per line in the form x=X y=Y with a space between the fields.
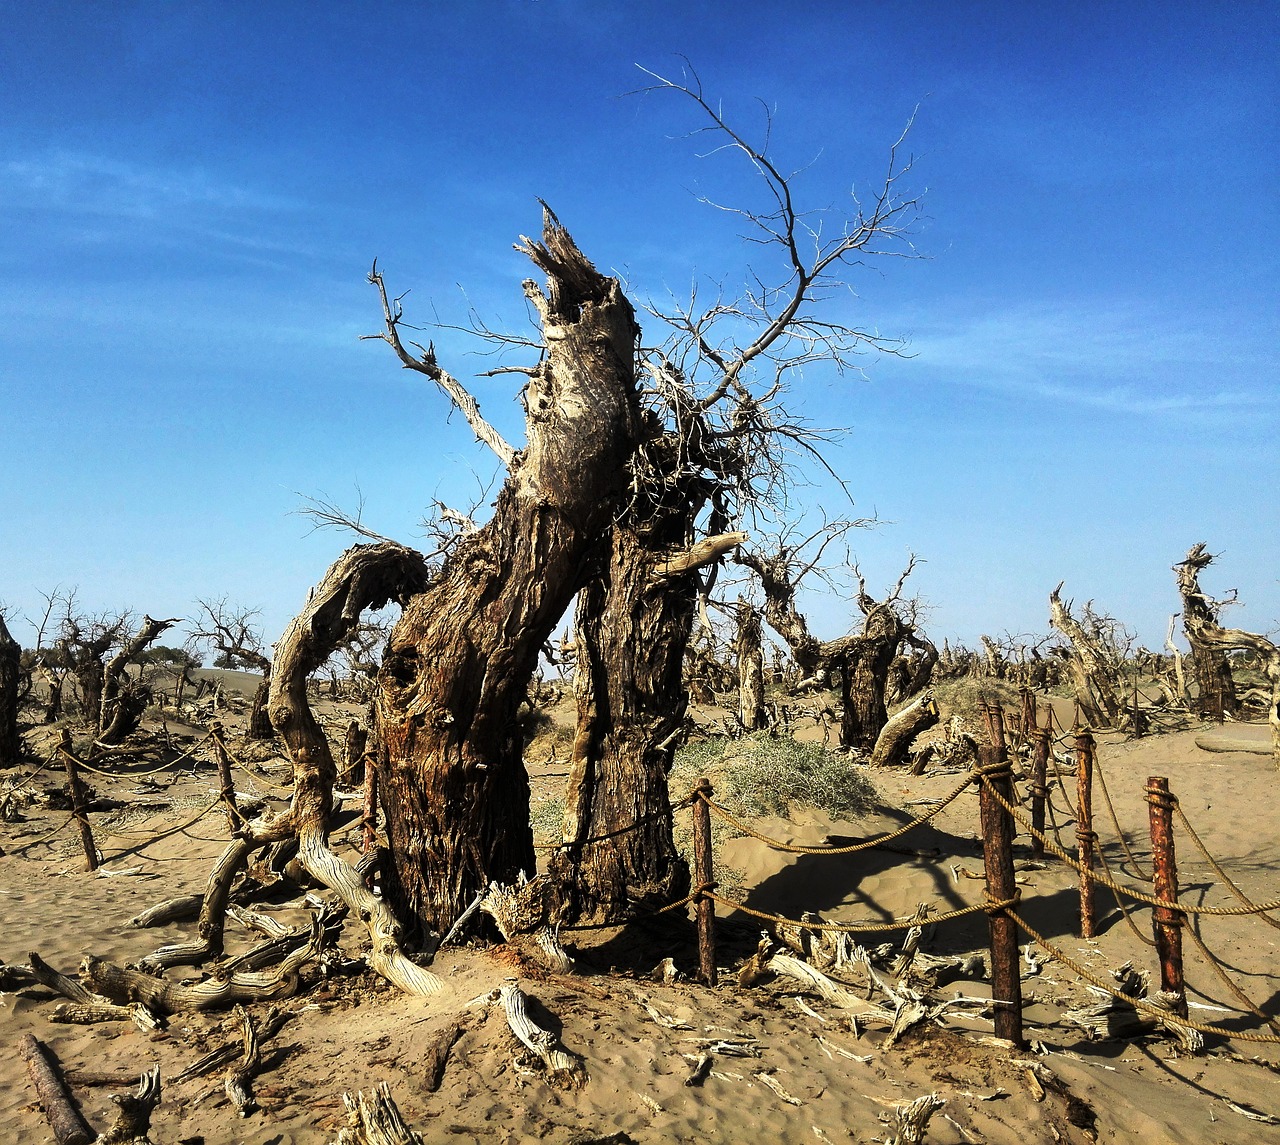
x=259 y=717
x=704 y=907
x=633 y=624
x=865 y=676
x=997 y=850
x=457 y=667
x=353 y=750
x=10 y=677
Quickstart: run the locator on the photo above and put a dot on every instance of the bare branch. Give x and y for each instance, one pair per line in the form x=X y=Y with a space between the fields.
x=426 y=364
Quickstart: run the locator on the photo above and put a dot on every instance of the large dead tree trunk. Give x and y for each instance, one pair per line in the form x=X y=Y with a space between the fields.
x=460 y=659
x=10 y=677
x=1200 y=614
x=633 y=623
x=1095 y=677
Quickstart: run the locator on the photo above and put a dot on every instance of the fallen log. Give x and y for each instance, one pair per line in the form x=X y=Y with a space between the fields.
x=1226 y=743
x=896 y=736
x=64 y=1119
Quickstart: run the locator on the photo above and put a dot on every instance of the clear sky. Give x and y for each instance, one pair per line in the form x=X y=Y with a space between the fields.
x=192 y=194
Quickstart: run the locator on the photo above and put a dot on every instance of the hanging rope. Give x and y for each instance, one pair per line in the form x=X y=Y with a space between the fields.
x=1162 y=1016
x=863 y=927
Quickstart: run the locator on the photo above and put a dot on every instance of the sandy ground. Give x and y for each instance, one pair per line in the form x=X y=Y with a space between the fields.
x=632 y=1033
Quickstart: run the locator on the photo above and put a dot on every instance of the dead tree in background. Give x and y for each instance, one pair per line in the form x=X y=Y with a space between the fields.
x=123 y=700
x=1094 y=669
x=747 y=646
x=1216 y=697
x=861 y=660
x=82 y=644
x=1200 y=615
x=10 y=677
x=232 y=632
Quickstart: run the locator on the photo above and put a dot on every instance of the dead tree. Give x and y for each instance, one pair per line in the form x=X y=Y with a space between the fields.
x=1201 y=615
x=1216 y=698
x=232 y=632
x=460 y=659
x=123 y=700
x=82 y=645
x=10 y=678
x=751 y=712
x=1094 y=669
x=860 y=662
x=713 y=454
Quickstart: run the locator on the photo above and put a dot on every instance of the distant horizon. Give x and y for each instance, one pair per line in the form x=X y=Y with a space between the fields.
x=197 y=194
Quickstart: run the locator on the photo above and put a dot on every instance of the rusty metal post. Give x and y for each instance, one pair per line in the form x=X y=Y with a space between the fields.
x=1167 y=923
x=227 y=790
x=75 y=788
x=1085 y=837
x=704 y=878
x=369 y=819
x=997 y=855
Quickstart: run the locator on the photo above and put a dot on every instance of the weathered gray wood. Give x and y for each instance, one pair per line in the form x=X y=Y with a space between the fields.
x=64 y=1119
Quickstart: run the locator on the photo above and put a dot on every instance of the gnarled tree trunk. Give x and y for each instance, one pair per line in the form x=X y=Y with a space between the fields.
x=1200 y=615
x=750 y=668
x=1094 y=677
x=459 y=661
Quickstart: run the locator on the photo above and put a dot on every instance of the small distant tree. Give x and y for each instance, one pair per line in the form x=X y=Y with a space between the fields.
x=232 y=632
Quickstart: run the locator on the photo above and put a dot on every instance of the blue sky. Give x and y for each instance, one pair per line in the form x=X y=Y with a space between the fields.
x=192 y=195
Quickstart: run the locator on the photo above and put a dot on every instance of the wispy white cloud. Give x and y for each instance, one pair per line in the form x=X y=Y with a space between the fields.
x=95 y=185
x=1130 y=357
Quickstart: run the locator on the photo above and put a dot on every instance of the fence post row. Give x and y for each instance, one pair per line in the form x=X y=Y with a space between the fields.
x=1041 y=741
x=1166 y=923
x=997 y=856
x=1085 y=837
x=75 y=788
x=705 y=908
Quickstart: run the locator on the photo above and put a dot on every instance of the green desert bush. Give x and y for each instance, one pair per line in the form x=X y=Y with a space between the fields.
x=762 y=774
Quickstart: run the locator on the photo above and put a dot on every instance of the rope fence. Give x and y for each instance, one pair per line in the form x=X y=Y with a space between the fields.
x=1172 y=917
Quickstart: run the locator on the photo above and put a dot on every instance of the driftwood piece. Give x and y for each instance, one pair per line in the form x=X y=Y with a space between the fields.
x=90 y=1013
x=910 y=1121
x=521 y=909
x=46 y=975
x=123 y=985
x=213 y=913
x=64 y=1119
x=133 y=1122
x=437 y=1055
x=830 y=991
x=171 y=910
x=903 y=727
x=373 y=1119
x=227 y=1053
x=563 y=1070
x=238 y=1083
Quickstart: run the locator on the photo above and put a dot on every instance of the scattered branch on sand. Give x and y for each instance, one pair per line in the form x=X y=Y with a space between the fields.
x=373 y=1119
x=910 y=1121
x=239 y=1080
x=133 y=1122
x=563 y=1070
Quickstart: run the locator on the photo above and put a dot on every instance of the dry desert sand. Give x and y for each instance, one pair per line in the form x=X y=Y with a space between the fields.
x=814 y=1079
